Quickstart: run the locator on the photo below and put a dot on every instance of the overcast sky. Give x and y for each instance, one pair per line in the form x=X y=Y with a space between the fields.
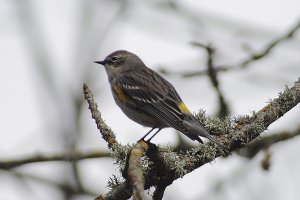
x=23 y=132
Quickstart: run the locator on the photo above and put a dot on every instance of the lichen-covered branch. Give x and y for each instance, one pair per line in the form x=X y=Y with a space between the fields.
x=243 y=130
x=134 y=170
x=106 y=132
x=121 y=192
x=163 y=171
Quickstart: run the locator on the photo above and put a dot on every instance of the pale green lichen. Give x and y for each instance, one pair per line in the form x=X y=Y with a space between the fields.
x=120 y=153
x=214 y=125
x=114 y=181
x=176 y=164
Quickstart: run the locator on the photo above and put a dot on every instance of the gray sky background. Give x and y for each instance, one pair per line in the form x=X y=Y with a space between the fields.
x=73 y=34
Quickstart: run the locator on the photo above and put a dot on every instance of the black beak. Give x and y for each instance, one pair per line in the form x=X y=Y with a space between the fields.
x=101 y=62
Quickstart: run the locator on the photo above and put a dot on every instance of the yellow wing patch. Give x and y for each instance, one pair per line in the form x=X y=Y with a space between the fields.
x=119 y=93
x=183 y=108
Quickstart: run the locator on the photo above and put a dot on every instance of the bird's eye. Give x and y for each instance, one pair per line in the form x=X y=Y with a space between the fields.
x=114 y=58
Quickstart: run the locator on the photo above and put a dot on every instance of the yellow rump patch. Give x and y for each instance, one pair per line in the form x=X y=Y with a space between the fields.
x=120 y=95
x=183 y=108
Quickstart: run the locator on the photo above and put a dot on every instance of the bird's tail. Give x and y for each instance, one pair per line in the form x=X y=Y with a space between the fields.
x=195 y=129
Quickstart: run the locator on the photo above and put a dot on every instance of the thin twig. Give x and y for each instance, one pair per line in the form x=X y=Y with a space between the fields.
x=213 y=76
x=256 y=146
x=244 y=62
x=8 y=164
x=268 y=48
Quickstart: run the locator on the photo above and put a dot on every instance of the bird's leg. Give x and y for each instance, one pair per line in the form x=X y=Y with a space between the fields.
x=147 y=134
x=153 y=135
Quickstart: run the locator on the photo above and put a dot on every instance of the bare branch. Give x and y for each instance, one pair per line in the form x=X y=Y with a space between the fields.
x=213 y=76
x=256 y=146
x=264 y=52
x=58 y=157
x=244 y=62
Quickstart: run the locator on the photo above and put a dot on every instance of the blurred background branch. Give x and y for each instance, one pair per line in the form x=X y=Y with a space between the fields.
x=8 y=164
x=213 y=76
x=265 y=142
x=255 y=56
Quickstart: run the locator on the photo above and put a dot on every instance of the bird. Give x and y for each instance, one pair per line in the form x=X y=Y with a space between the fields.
x=149 y=99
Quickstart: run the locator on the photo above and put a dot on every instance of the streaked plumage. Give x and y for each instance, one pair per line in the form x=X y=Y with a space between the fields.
x=149 y=99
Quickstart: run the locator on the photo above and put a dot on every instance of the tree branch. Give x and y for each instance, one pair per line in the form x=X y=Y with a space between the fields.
x=244 y=62
x=256 y=146
x=58 y=157
x=121 y=192
x=213 y=76
x=268 y=48
x=106 y=132
x=163 y=171
x=242 y=131
x=134 y=169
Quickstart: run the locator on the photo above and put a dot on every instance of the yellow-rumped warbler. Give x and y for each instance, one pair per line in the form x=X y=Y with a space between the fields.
x=149 y=99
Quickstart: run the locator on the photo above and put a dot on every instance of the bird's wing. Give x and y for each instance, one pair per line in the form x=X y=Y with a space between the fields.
x=148 y=95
